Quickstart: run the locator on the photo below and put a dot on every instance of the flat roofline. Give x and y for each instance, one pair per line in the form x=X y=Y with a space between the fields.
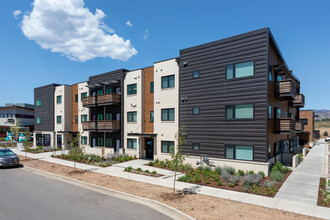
x=166 y=60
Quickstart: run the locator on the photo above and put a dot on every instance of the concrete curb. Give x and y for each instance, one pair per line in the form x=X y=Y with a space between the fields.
x=158 y=206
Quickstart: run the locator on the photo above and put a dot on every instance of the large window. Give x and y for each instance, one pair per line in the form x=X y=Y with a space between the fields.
x=245 y=111
x=83 y=118
x=100 y=142
x=108 y=142
x=304 y=120
x=168 y=114
x=195 y=74
x=59 y=119
x=240 y=70
x=166 y=145
x=168 y=82
x=131 y=143
x=39 y=120
x=59 y=99
x=131 y=89
x=239 y=152
x=152 y=116
x=83 y=95
x=152 y=87
x=38 y=102
x=83 y=140
x=131 y=117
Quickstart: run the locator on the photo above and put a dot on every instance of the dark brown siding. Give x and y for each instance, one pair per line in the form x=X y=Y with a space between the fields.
x=74 y=107
x=148 y=99
x=212 y=92
x=309 y=128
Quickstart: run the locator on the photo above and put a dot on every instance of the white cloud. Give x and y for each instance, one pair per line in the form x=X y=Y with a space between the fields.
x=16 y=13
x=128 y=23
x=69 y=28
x=146 y=35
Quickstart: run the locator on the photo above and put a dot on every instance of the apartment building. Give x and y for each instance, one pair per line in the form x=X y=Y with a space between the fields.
x=239 y=102
x=307 y=137
x=11 y=113
x=236 y=97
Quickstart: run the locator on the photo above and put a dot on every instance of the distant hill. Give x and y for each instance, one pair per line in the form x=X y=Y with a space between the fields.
x=322 y=114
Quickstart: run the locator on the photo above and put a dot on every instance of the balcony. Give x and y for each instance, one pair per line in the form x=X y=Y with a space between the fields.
x=101 y=100
x=299 y=127
x=101 y=125
x=284 y=125
x=287 y=89
x=299 y=101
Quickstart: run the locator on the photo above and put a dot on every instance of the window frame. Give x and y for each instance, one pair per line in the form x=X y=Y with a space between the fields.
x=270 y=73
x=128 y=116
x=133 y=141
x=76 y=119
x=59 y=99
x=39 y=119
x=168 y=114
x=196 y=77
x=234 y=112
x=152 y=119
x=152 y=87
x=270 y=114
x=234 y=151
x=83 y=138
x=129 y=89
x=76 y=98
x=193 y=147
x=304 y=120
x=167 y=81
x=83 y=95
x=57 y=119
x=234 y=70
x=168 y=146
x=38 y=102
x=199 y=112
x=82 y=118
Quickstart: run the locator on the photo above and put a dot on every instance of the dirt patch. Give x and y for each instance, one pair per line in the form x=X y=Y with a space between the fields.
x=197 y=205
x=321 y=196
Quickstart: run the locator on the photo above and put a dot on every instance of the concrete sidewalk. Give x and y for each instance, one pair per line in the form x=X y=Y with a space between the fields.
x=282 y=202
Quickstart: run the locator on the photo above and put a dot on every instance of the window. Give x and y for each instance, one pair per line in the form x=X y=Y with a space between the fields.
x=245 y=111
x=59 y=119
x=270 y=73
x=278 y=113
x=239 y=152
x=83 y=95
x=76 y=98
x=152 y=87
x=76 y=119
x=240 y=70
x=269 y=112
x=166 y=145
x=304 y=120
x=152 y=116
x=168 y=82
x=131 y=143
x=59 y=99
x=269 y=151
x=131 y=89
x=83 y=118
x=100 y=117
x=195 y=74
x=99 y=91
x=39 y=120
x=131 y=117
x=195 y=146
x=168 y=114
x=108 y=90
x=48 y=99
x=100 y=142
x=48 y=118
x=108 y=142
x=278 y=78
x=38 y=102
x=108 y=116
x=83 y=140
x=195 y=110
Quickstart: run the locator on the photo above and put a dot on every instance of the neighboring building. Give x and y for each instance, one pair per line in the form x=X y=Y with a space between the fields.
x=236 y=97
x=307 y=138
x=11 y=113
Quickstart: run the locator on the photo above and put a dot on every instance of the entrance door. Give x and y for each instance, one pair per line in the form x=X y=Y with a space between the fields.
x=149 y=148
x=59 y=141
x=117 y=145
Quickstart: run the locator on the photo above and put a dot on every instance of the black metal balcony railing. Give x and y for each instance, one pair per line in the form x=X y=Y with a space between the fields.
x=299 y=101
x=101 y=125
x=104 y=99
x=287 y=89
x=284 y=125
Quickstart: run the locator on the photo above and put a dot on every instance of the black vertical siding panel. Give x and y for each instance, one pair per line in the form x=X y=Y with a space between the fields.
x=212 y=92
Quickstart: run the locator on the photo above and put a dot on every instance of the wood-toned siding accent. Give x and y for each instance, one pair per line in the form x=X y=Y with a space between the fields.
x=74 y=107
x=46 y=110
x=309 y=115
x=148 y=99
x=211 y=92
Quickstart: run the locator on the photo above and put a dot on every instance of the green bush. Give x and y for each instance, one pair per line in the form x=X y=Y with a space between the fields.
x=154 y=172
x=156 y=161
x=218 y=169
x=286 y=169
x=151 y=163
x=146 y=171
x=277 y=175
x=207 y=181
x=251 y=172
x=162 y=164
x=261 y=173
x=130 y=158
x=200 y=168
x=240 y=173
x=121 y=160
x=128 y=169
x=269 y=184
x=207 y=169
x=219 y=183
x=197 y=178
x=139 y=169
x=278 y=166
x=228 y=169
x=187 y=166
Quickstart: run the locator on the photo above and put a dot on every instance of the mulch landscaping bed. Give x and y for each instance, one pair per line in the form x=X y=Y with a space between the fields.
x=321 y=196
x=144 y=173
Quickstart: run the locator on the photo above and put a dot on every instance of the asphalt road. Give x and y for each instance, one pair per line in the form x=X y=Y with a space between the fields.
x=27 y=196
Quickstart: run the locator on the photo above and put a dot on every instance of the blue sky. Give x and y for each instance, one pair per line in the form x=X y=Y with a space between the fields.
x=301 y=29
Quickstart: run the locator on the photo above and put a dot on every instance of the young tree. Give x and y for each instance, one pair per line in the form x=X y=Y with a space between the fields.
x=325 y=133
x=27 y=143
x=16 y=129
x=76 y=151
x=176 y=154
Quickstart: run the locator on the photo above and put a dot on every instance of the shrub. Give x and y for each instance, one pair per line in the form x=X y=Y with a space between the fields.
x=277 y=175
x=139 y=169
x=269 y=184
x=219 y=183
x=121 y=160
x=154 y=172
x=106 y=164
x=200 y=168
x=156 y=161
x=233 y=179
x=286 y=169
x=215 y=176
x=218 y=169
x=262 y=174
x=207 y=181
x=130 y=158
x=208 y=169
x=128 y=169
x=240 y=173
x=187 y=166
x=146 y=171
x=251 y=172
x=225 y=176
x=230 y=170
x=151 y=163
x=197 y=178
x=325 y=133
x=250 y=179
x=162 y=164
x=278 y=166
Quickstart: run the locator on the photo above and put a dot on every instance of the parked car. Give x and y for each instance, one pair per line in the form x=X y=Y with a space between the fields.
x=8 y=158
x=327 y=139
